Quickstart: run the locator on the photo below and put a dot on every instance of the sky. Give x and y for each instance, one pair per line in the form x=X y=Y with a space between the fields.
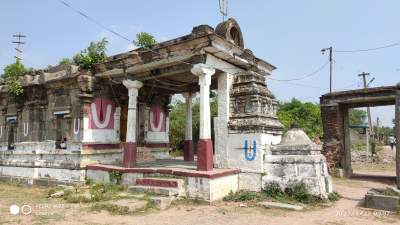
x=288 y=34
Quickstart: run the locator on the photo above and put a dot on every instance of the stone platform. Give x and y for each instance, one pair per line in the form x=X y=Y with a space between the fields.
x=172 y=177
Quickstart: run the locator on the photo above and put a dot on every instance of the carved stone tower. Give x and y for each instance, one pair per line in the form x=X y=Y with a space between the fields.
x=253 y=127
x=253 y=106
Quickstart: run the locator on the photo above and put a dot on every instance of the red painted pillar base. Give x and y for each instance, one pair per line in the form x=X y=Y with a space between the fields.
x=188 y=151
x=205 y=155
x=129 y=155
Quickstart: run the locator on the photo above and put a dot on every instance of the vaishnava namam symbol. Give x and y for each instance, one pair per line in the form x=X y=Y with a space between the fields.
x=250 y=151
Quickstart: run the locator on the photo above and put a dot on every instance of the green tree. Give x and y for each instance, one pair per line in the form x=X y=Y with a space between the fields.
x=305 y=115
x=177 y=121
x=145 y=40
x=11 y=75
x=357 y=117
x=95 y=53
x=14 y=70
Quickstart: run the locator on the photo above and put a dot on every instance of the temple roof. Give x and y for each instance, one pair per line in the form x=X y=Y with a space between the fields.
x=167 y=64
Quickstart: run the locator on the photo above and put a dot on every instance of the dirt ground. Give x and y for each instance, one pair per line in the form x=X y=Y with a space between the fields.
x=347 y=210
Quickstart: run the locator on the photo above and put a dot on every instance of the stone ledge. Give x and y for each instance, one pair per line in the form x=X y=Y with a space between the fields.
x=216 y=173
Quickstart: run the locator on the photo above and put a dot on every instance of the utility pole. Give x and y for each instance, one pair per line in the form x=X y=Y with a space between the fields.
x=223 y=8
x=19 y=42
x=370 y=128
x=330 y=66
x=377 y=133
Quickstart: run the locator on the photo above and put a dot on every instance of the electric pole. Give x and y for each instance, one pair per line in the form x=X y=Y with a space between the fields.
x=223 y=8
x=370 y=131
x=330 y=66
x=19 y=42
x=364 y=77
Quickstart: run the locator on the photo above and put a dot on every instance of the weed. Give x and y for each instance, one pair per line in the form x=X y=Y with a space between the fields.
x=300 y=193
x=88 y=181
x=242 y=196
x=112 y=208
x=334 y=196
x=115 y=177
x=389 y=192
x=97 y=192
x=273 y=190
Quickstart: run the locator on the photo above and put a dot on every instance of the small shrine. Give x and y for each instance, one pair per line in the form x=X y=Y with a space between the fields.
x=297 y=159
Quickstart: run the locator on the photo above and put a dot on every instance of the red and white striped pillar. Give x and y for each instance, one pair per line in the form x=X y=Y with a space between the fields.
x=205 y=145
x=130 y=148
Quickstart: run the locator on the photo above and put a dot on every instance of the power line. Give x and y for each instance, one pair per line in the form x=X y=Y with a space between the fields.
x=302 y=77
x=302 y=85
x=369 y=49
x=116 y=33
x=95 y=21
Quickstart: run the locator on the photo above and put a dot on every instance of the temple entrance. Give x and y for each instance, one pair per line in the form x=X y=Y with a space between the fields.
x=371 y=154
x=335 y=109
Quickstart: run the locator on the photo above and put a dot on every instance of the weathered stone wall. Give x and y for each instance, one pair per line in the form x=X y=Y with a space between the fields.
x=333 y=135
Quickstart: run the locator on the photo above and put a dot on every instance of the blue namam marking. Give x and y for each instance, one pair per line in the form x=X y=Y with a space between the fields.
x=250 y=152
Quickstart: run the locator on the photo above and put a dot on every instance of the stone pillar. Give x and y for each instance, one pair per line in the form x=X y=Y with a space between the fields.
x=397 y=131
x=205 y=145
x=346 y=145
x=188 y=151
x=221 y=122
x=129 y=154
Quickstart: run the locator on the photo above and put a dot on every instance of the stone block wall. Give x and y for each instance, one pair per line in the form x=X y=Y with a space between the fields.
x=333 y=146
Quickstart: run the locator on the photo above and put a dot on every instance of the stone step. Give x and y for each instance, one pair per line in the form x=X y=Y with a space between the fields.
x=160 y=182
x=165 y=191
x=160 y=175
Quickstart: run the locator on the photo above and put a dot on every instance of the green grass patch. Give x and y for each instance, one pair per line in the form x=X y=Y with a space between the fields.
x=242 y=196
x=123 y=210
x=97 y=192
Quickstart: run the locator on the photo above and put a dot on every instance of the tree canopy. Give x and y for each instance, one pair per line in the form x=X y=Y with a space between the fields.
x=14 y=70
x=145 y=40
x=305 y=115
x=357 y=117
x=177 y=120
x=11 y=75
x=95 y=53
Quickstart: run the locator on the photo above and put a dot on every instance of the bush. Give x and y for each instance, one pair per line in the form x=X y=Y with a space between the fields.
x=300 y=193
x=145 y=40
x=115 y=177
x=273 y=190
x=334 y=196
x=11 y=76
x=65 y=61
x=95 y=53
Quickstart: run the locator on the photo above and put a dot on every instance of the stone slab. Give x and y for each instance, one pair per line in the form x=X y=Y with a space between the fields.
x=279 y=205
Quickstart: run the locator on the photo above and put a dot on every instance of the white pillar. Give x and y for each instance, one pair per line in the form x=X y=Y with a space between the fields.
x=129 y=155
x=204 y=73
x=188 y=150
x=133 y=90
x=205 y=145
x=188 y=131
x=221 y=122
